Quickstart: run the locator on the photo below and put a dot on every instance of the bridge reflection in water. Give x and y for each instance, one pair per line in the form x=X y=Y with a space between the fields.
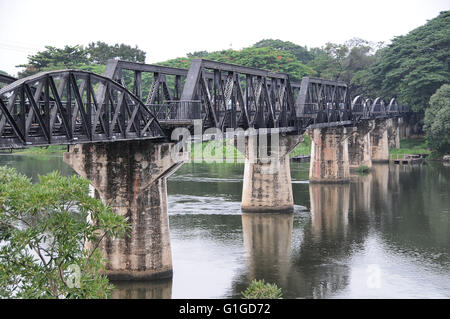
x=158 y=289
x=267 y=242
x=320 y=252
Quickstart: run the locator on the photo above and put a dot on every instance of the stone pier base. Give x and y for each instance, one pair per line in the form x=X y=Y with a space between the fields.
x=131 y=178
x=267 y=176
x=379 y=141
x=359 y=148
x=329 y=155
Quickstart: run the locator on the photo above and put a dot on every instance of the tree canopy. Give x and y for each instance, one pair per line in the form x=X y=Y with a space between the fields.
x=414 y=66
x=265 y=58
x=100 y=52
x=348 y=62
x=78 y=56
x=300 y=52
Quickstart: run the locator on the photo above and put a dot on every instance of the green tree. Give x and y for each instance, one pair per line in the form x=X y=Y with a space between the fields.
x=44 y=228
x=348 y=62
x=264 y=58
x=197 y=54
x=437 y=120
x=301 y=53
x=53 y=58
x=78 y=57
x=100 y=52
x=414 y=66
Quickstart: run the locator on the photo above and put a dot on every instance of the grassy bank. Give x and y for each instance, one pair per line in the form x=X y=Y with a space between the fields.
x=304 y=148
x=410 y=146
x=212 y=150
x=44 y=150
x=224 y=149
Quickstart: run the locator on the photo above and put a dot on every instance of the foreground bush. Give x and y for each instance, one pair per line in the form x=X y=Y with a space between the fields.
x=43 y=229
x=259 y=289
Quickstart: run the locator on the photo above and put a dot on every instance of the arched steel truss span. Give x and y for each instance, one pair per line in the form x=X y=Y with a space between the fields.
x=71 y=106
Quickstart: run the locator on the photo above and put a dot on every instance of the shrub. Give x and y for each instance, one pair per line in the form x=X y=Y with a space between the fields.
x=43 y=229
x=259 y=289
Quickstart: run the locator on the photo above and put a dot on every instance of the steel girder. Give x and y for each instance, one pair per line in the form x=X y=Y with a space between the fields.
x=71 y=106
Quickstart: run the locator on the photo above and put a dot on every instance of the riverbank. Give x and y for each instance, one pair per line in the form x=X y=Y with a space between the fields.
x=410 y=146
x=211 y=150
x=35 y=150
x=224 y=150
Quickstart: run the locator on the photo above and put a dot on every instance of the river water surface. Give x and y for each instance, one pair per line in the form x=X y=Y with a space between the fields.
x=384 y=235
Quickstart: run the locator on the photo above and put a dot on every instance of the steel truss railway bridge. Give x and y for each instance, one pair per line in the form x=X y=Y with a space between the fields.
x=119 y=128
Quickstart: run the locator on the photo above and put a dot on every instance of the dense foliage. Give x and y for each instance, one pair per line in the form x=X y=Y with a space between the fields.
x=43 y=229
x=100 y=52
x=348 y=62
x=263 y=57
x=437 y=120
x=301 y=53
x=344 y=62
x=414 y=66
x=77 y=56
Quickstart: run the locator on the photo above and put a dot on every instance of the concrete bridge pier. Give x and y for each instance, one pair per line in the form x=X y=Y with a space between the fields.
x=379 y=141
x=359 y=148
x=329 y=154
x=267 y=177
x=393 y=130
x=130 y=176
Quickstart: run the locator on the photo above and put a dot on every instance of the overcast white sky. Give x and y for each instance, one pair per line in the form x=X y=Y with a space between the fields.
x=167 y=28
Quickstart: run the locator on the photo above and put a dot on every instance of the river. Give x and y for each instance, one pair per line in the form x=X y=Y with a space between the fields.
x=384 y=235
